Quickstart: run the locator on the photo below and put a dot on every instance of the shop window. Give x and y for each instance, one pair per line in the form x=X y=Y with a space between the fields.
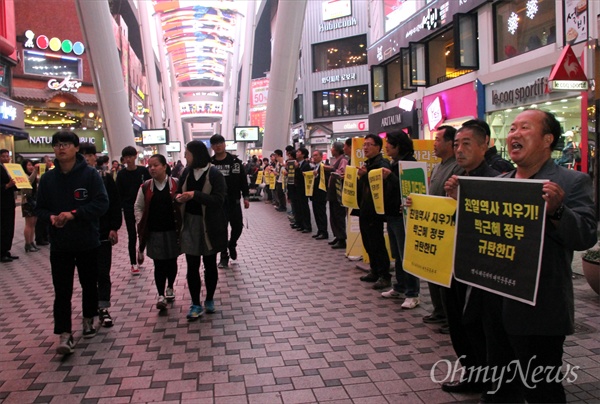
x=378 y=86
x=341 y=102
x=298 y=109
x=344 y=52
x=519 y=29
x=418 y=65
x=405 y=57
x=43 y=64
x=387 y=82
x=4 y=78
x=466 y=31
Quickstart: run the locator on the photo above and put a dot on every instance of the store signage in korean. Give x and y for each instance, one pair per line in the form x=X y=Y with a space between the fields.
x=11 y=113
x=8 y=112
x=338 y=77
x=55 y=44
x=66 y=84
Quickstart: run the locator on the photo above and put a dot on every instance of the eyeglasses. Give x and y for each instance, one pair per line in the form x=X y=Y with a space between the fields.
x=62 y=146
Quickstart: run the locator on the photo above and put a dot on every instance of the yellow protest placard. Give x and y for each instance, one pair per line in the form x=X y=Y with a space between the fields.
x=349 y=195
x=42 y=168
x=272 y=181
x=429 y=245
x=376 y=185
x=309 y=179
x=322 y=185
x=259 y=178
x=17 y=173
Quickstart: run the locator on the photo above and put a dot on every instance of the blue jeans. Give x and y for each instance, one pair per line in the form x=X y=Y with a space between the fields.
x=405 y=282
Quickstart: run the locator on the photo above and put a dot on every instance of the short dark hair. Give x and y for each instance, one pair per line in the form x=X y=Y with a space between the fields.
x=477 y=131
x=304 y=151
x=551 y=125
x=87 y=148
x=199 y=152
x=449 y=132
x=376 y=139
x=115 y=161
x=402 y=141
x=478 y=122
x=216 y=139
x=278 y=152
x=348 y=142
x=2 y=151
x=129 y=151
x=65 y=137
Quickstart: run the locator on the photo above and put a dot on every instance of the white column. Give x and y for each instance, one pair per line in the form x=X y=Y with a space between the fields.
x=282 y=79
x=96 y=26
x=175 y=100
x=154 y=97
x=246 y=70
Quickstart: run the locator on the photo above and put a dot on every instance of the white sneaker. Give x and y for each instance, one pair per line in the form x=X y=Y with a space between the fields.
x=161 y=304
x=391 y=294
x=410 y=303
x=170 y=294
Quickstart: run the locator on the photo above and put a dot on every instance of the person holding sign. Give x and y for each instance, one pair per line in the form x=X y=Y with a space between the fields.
x=537 y=333
x=7 y=209
x=337 y=212
x=371 y=223
x=319 y=196
x=303 y=210
x=400 y=148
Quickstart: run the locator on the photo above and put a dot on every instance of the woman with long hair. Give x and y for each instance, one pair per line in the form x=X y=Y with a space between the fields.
x=204 y=233
x=157 y=218
x=28 y=205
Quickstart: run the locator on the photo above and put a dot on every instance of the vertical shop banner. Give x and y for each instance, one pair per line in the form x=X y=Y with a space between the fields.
x=376 y=185
x=349 y=191
x=15 y=171
x=429 y=241
x=575 y=21
x=259 y=177
x=500 y=236
x=322 y=185
x=413 y=180
x=309 y=180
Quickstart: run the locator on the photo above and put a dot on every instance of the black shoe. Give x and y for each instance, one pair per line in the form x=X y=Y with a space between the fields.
x=444 y=329
x=334 y=241
x=6 y=258
x=105 y=318
x=462 y=387
x=224 y=263
x=382 y=283
x=294 y=226
x=370 y=277
x=42 y=242
x=341 y=244
x=322 y=236
x=307 y=231
x=13 y=257
x=299 y=229
x=232 y=253
x=316 y=235
x=281 y=209
x=432 y=319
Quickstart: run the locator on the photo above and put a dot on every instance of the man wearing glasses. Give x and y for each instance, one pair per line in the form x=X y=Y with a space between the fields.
x=72 y=197
x=370 y=223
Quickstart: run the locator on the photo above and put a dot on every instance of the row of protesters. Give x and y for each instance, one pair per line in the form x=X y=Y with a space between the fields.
x=237 y=190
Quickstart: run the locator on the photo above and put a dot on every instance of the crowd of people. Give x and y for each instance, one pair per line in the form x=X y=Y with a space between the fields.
x=187 y=210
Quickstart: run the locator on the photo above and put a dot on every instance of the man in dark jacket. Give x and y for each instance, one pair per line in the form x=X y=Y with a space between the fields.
x=129 y=180
x=110 y=223
x=237 y=185
x=72 y=197
x=7 y=201
x=319 y=198
x=371 y=223
x=303 y=211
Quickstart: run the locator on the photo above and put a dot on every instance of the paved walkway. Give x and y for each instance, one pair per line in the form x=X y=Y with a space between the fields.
x=293 y=325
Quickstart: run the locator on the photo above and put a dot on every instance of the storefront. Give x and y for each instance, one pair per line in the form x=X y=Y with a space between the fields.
x=505 y=99
x=395 y=120
x=451 y=107
x=345 y=129
x=11 y=124
x=39 y=142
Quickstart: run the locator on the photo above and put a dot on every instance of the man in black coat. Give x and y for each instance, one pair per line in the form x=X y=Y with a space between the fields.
x=7 y=209
x=319 y=198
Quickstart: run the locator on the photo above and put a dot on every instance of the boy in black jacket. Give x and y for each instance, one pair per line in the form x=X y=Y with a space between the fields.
x=72 y=197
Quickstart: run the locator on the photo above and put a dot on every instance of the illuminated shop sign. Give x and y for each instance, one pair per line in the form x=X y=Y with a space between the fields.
x=55 y=44
x=8 y=112
x=560 y=85
x=520 y=94
x=333 y=9
x=11 y=113
x=48 y=140
x=333 y=25
x=360 y=125
x=436 y=113
x=338 y=77
x=201 y=108
x=66 y=85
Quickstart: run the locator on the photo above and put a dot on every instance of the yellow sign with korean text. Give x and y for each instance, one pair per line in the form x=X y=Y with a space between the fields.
x=17 y=173
x=429 y=245
x=424 y=153
x=376 y=185
x=309 y=179
x=259 y=177
x=322 y=185
x=349 y=191
x=272 y=180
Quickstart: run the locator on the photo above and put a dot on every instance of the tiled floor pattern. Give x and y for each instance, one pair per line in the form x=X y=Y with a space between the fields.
x=293 y=325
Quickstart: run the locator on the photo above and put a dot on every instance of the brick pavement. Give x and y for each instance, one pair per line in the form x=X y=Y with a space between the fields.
x=293 y=325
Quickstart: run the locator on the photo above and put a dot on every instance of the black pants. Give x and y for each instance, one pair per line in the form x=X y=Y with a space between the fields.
x=129 y=217
x=165 y=272
x=537 y=351
x=438 y=301
x=41 y=230
x=269 y=192
x=7 y=229
x=320 y=213
x=303 y=215
x=63 y=271
x=104 y=282
x=337 y=219
x=371 y=232
x=280 y=194
x=236 y=221
x=211 y=276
